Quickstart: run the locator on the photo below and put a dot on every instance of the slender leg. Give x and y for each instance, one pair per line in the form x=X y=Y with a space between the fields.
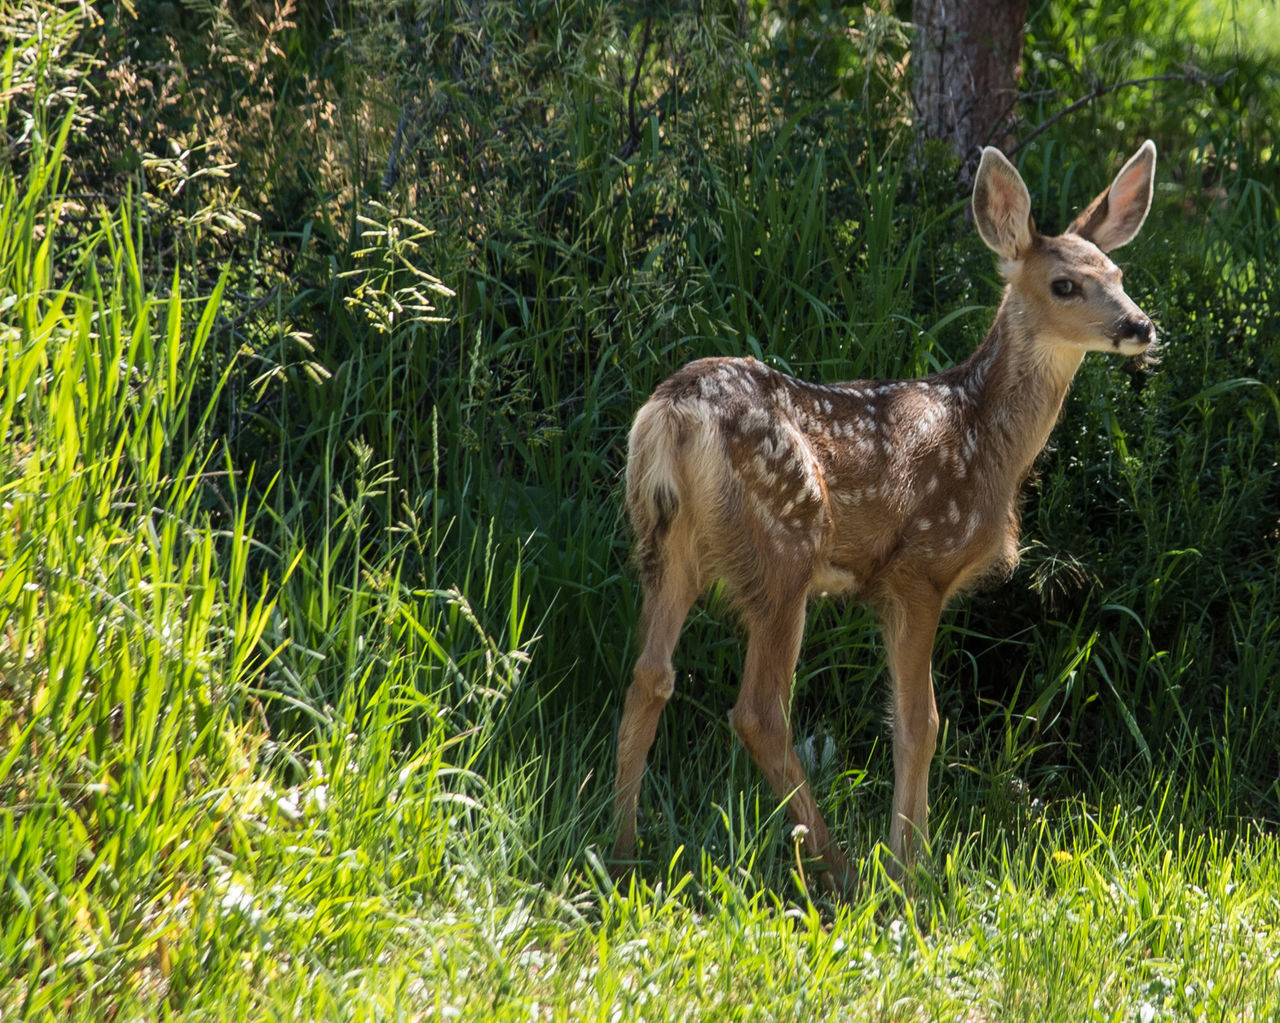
x=666 y=605
x=909 y=638
x=762 y=719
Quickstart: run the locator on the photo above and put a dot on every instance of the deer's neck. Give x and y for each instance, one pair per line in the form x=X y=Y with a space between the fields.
x=1018 y=386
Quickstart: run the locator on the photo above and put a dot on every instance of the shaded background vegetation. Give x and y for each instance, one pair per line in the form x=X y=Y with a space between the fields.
x=452 y=246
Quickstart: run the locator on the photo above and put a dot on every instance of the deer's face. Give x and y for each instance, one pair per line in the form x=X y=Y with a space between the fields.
x=1074 y=295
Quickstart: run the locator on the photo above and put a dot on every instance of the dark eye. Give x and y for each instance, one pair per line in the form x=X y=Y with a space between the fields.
x=1064 y=287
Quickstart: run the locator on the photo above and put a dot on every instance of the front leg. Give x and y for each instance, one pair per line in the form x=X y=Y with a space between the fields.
x=910 y=628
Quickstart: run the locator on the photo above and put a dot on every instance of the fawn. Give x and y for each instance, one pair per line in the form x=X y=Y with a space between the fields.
x=901 y=493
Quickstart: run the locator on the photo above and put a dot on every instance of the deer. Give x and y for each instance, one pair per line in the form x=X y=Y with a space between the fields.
x=898 y=493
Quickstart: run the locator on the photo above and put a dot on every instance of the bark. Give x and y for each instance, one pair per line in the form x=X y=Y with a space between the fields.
x=966 y=61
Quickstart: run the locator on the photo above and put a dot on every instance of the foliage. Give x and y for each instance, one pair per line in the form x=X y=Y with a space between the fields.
x=321 y=328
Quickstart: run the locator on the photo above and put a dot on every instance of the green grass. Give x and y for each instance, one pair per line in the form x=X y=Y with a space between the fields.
x=315 y=613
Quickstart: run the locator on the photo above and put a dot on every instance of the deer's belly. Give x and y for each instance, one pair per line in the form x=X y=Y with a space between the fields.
x=832 y=581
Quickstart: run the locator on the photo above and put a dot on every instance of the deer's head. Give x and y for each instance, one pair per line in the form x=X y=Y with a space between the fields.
x=1065 y=290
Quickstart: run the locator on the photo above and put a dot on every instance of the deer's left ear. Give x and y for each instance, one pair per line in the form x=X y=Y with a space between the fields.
x=1115 y=216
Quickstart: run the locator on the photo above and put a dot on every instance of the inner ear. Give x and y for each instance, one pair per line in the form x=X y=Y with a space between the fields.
x=1115 y=216
x=1002 y=206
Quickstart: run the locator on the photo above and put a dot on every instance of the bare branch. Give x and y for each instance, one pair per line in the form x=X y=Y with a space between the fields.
x=633 y=138
x=1193 y=76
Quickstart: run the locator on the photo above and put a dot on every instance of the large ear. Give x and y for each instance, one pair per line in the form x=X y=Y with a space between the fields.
x=1002 y=206
x=1115 y=216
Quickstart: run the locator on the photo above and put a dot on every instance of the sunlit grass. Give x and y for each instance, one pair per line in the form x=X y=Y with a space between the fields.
x=1252 y=28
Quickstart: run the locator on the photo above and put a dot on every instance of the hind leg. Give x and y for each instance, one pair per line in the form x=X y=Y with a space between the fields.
x=762 y=719
x=667 y=600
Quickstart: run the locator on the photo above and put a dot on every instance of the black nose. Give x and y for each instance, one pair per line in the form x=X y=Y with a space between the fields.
x=1138 y=328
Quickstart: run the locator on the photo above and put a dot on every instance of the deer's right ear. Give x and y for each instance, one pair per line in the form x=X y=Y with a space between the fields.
x=1002 y=206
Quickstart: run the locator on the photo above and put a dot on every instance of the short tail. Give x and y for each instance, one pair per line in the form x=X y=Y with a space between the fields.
x=653 y=481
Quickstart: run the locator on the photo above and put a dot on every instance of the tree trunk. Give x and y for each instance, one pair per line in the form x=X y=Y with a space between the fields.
x=965 y=78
